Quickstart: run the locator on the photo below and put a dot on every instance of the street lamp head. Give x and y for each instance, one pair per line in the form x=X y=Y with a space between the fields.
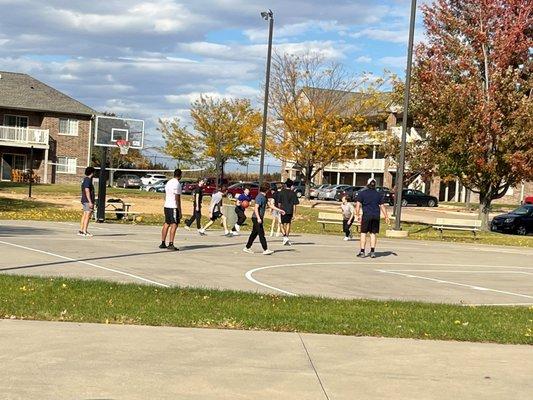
x=266 y=15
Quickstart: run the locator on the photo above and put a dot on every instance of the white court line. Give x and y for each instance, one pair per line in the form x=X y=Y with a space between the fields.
x=459 y=271
x=86 y=263
x=481 y=288
x=249 y=274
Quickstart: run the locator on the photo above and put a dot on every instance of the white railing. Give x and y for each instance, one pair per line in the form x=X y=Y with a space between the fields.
x=15 y=134
x=362 y=165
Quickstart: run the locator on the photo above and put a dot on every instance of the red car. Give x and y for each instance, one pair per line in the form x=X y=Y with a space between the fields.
x=528 y=200
x=238 y=188
x=209 y=187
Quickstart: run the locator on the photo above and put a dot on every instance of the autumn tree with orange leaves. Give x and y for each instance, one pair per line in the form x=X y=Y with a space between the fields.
x=472 y=93
x=224 y=130
x=317 y=119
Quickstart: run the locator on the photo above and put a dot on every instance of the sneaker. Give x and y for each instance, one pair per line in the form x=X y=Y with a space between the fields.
x=187 y=227
x=267 y=252
x=234 y=233
x=247 y=250
x=237 y=228
x=285 y=240
x=361 y=255
x=162 y=246
x=228 y=234
x=171 y=247
x=372 y=254
x=346 y=239
x=202 y=232
x=80 y=233
x=289 y=243
x=87 y=234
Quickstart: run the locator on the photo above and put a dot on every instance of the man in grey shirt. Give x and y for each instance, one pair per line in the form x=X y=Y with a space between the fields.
x=215 y=211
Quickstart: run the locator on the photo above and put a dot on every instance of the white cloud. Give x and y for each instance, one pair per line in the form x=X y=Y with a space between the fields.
x=363 y=59
x=400 y=36
x=394 y=62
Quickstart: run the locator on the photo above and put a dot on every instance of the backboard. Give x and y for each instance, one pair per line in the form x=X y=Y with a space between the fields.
x=110 y=129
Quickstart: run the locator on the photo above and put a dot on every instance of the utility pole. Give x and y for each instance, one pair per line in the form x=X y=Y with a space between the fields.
x=267 y=16
x=407 y=93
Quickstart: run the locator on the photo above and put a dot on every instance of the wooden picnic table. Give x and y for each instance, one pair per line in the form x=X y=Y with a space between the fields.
x=120 y=208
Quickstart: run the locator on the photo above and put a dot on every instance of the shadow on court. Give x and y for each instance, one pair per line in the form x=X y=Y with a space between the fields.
x=380 y=254
x=14 y=231
x=56 y=263
x=74 y=260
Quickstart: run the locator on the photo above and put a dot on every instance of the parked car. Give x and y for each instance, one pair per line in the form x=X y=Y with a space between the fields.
x=186 y=185
x=150 y=179
x=238 y=188
x=159 y=186
x=331 y=192
x=128 y=181
x=209 y=187
x=314 y=191
x=299 y=188
x=350 y=192
x=528 y=200
x=519 y=221
x=412 y=196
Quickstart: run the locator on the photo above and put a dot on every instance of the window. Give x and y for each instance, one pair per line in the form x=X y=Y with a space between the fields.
x=66 y=165
x=68 y=126
x=16 y=120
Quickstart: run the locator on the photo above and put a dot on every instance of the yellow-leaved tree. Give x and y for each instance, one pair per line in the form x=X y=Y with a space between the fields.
x=224 y=130
x=319 y=111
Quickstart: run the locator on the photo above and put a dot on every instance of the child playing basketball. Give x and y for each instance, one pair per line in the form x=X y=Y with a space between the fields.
x=239 y=210
x=197 y=196
x=258 y=219
x=215 y=212
x=276 y=216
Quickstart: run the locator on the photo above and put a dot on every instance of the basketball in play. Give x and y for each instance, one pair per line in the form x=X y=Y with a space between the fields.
x=245 y=204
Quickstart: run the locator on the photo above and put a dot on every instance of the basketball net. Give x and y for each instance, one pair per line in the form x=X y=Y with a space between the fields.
x=123 y=146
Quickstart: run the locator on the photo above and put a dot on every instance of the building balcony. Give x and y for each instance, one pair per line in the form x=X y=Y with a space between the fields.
x=362 y=165
x=24 y=137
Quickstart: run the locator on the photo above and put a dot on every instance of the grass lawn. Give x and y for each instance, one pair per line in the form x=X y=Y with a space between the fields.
x=59 y=299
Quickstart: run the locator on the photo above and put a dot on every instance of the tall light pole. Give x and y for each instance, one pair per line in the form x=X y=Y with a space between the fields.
x=267 y=16
x=401 y=161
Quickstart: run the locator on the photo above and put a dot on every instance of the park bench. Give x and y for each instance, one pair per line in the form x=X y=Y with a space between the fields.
x=468 y=225
x=325 y=218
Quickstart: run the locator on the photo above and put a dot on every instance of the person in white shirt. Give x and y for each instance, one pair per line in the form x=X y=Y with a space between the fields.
x=172 y=209
x=215 y=211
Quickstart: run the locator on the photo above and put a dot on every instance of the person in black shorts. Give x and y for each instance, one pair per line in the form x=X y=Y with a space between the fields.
x=287 y=201
x=197 y=196
x=371 y=201
x=172 y=211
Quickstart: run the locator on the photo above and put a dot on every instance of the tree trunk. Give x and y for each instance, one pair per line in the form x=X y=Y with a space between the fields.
x=308 y=176
x=485 y=201
x=221 y=172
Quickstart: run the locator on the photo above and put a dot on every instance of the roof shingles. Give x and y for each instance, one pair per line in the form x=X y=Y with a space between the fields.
x=21 y=91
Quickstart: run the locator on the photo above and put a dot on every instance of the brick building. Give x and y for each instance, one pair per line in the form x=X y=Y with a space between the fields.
x=59 y=128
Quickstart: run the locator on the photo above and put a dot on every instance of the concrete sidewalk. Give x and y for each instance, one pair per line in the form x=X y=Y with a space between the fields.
x=50 y=360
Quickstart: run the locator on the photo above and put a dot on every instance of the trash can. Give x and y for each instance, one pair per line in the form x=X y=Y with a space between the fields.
x=231 y=216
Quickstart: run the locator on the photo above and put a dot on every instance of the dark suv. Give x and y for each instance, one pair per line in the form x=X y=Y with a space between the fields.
x=519 y=221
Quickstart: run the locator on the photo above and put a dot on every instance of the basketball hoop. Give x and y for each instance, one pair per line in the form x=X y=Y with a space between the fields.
x=123 y=146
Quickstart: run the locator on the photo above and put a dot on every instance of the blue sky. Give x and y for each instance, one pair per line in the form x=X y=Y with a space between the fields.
x=150 y=59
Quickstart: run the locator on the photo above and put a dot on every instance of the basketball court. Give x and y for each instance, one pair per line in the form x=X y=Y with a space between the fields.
x=315 y=265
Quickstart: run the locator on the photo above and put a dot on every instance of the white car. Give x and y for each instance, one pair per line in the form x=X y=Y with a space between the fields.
x=150 y=179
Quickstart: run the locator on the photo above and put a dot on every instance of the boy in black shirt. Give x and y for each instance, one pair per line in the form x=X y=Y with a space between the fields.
x=287 y=201
x=197 y=196
x=87 y=201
